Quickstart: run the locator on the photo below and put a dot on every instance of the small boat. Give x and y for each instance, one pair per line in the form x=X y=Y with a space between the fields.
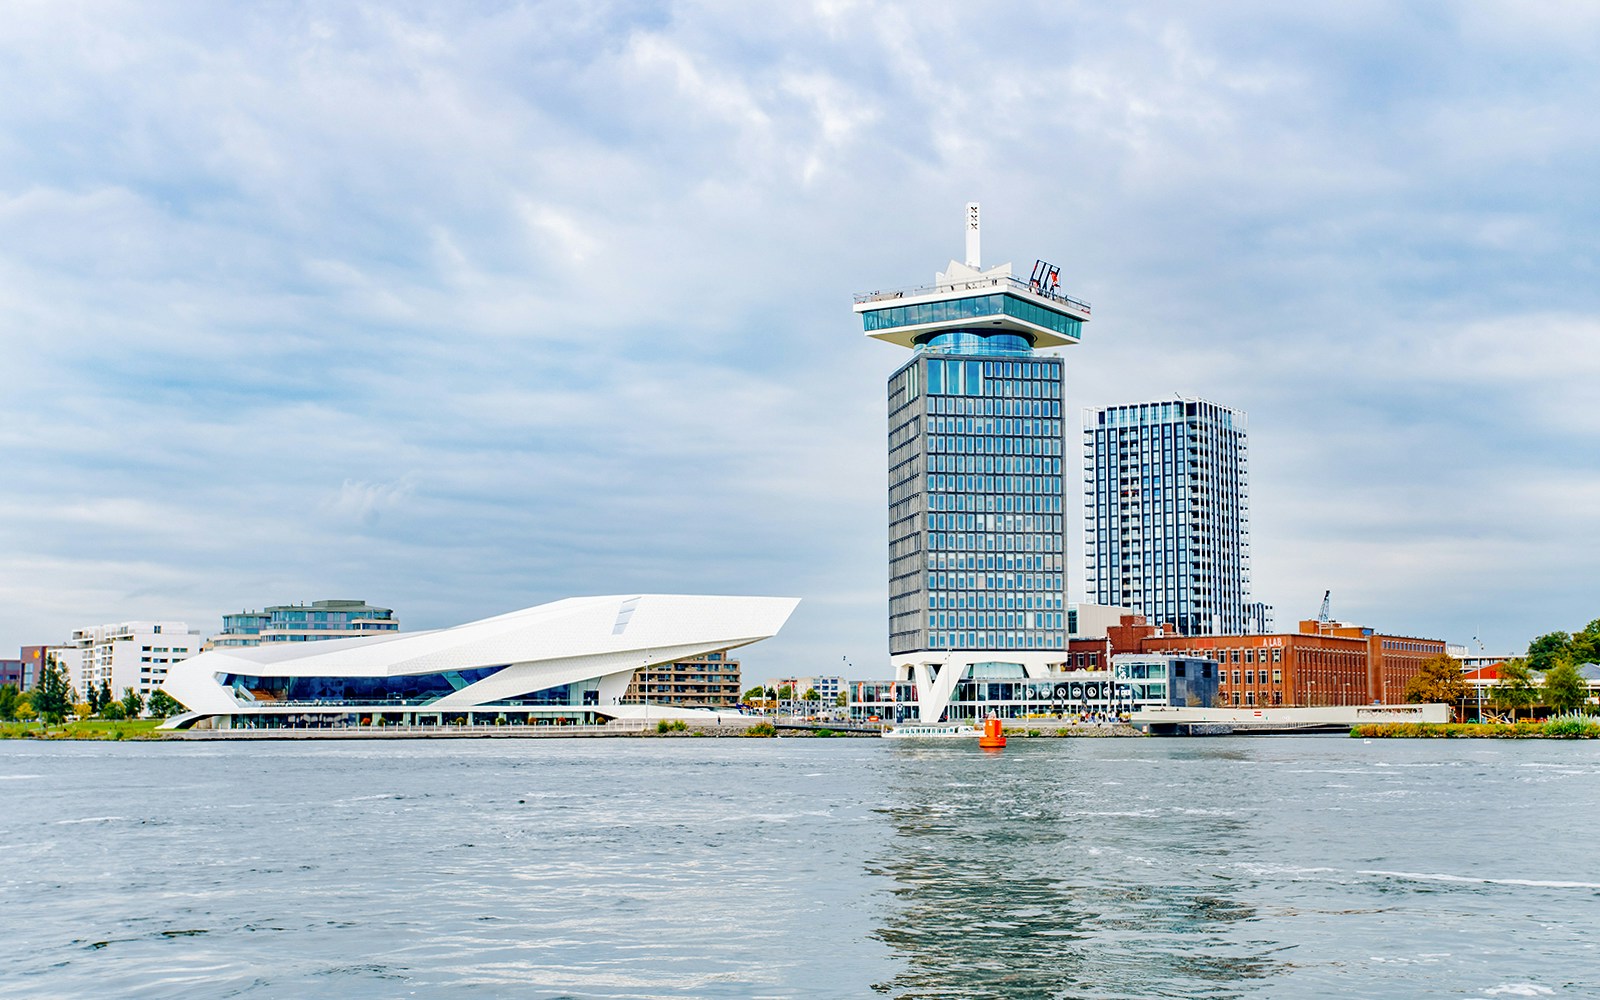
x=936 y=731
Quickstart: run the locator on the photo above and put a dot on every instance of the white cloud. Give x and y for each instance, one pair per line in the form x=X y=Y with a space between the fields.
x=364 y=502
x=459 y=310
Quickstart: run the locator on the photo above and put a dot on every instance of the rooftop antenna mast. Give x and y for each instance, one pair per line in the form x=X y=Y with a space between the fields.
x=972 y=236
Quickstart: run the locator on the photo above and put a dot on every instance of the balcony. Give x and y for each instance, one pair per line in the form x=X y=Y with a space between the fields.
x=1008 y=284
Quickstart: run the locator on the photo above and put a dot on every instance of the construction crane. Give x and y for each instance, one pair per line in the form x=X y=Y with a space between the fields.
x=1323 y=615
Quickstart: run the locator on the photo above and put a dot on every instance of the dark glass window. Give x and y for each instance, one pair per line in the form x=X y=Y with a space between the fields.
x=410 y=689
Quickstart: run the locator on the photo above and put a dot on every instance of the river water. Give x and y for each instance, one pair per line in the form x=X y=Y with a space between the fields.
x=1093 y=868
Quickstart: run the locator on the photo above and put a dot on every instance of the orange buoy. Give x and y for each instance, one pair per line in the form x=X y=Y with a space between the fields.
x=992 y=738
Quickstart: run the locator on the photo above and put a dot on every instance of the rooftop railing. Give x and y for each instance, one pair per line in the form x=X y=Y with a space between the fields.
x=1011 y=284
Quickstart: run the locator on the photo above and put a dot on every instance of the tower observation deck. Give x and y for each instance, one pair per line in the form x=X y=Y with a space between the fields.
x=967 y=298
x=976 y=443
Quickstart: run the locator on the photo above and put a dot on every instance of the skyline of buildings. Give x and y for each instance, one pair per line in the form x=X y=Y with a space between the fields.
x=977 y=430
x=978 y=612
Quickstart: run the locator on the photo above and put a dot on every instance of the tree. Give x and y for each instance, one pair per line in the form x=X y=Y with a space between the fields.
x=105 y=693
x=113 y=712
x=786 y=693
x=165 y=706
x=1547 y=650
x=132 y=703
x=52 y=697
x=841 y=700
x=1564 y=689
x=811 y=695
x=1586 y=644
x=8 y=701
x=93 y=700
x=1438 y=681
x=1514 y=690
x=755 y=694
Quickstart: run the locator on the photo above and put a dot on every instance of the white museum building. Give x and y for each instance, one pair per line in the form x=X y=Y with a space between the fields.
x=561 y=663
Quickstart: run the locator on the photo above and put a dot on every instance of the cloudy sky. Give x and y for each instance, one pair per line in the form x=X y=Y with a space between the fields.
x=463 y=311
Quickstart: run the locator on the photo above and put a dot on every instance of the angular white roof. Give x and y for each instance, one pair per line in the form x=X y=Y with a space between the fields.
x=571 y=640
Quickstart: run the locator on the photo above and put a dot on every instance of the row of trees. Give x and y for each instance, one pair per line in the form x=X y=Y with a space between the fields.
x=1547 y=676
x=53 y=698
x=786 y=693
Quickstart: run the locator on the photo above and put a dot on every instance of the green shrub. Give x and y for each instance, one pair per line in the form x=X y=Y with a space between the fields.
x=1572 y=726
x=1033 y=732
x=1567 y=727
x=826 y=732
x=761 y=729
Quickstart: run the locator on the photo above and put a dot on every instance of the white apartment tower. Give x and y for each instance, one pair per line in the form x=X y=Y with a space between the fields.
x=1167 y=515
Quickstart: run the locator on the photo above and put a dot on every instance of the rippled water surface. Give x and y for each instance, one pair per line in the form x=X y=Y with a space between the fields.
x=1223 y=867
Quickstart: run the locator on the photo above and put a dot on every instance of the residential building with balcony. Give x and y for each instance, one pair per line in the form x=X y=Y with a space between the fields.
x=707 y=681
x=125 y=655
x=1167 y=515
x=317 y=621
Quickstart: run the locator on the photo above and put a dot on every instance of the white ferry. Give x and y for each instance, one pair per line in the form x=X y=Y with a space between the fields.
x=940 y=731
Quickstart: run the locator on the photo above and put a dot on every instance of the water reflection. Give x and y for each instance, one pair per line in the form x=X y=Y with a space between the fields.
x=1042 y=873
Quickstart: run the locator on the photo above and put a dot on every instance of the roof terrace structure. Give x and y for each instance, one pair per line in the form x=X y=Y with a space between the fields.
x=967 y=298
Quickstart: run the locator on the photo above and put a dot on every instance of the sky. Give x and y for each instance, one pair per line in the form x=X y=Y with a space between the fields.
x=463 y=308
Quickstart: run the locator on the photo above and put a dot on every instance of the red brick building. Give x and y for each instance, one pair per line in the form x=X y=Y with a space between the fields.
x=1325 y=663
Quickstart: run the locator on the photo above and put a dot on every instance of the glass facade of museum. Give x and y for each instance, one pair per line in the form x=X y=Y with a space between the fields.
x=976 y=439
x=300 y=701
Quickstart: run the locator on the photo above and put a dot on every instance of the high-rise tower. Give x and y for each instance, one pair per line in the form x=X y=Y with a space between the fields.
x=1167 y=514
x=976 y=444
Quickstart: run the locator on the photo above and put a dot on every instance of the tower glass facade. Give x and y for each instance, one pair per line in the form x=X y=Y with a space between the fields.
x=976 y=441
x=1166 y=514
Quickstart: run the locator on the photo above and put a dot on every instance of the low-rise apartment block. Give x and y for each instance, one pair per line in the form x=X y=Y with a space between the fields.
x=304 y=623
x=709 y=681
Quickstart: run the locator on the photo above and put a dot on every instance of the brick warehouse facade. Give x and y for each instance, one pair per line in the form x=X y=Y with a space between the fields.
x=1325 y=663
